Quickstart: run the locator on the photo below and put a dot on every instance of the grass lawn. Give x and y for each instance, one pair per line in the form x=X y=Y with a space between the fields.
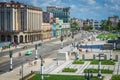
x=103 y=62
x=78 y=62
x=106 y=71
x=115 y=77
x=69 y=70
x=61 y=77
x=110 y=36
x=116 y=50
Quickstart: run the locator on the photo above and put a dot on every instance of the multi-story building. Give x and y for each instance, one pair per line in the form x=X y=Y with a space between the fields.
x=61 y=13
x=114 y=20
x=46 y=30
x=80 y=22
x=19 y=22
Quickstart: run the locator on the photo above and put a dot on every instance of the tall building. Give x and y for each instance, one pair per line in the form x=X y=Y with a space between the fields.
x=114 y=20
x=47 y=25
x=19 y=22
x=61 y=13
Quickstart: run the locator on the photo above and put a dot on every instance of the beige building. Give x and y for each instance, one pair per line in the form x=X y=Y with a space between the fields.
x=46 y=31
x=19 y=22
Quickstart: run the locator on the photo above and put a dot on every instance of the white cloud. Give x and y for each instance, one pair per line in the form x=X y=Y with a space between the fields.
x=91 y=2
x=83 y=10
x=116 y=7
x=35 y=2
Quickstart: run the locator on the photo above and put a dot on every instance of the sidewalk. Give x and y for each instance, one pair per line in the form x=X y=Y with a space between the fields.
x=21 y=45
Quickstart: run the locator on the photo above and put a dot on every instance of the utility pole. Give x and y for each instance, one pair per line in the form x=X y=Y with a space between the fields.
x=10 y=54
x=36 y=51
x=41 y=69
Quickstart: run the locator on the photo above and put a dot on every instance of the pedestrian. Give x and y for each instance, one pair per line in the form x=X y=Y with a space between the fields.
x=19 y=54
x=35 y=62
x=20 y=71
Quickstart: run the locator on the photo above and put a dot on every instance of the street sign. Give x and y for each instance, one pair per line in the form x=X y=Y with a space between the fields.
x=108 y=46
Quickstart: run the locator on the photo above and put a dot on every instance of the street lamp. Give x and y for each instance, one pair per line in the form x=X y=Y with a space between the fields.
x=99 y=65
x=61 y=37
x=41 y=69
x=88 y=75
x=36 y=51
x=110 y=54
x=10 y=54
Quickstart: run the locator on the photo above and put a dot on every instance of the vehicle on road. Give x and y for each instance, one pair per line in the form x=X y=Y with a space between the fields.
x=28 y=52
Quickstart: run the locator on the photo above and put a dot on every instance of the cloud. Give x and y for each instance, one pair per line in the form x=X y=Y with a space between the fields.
x=84 y=10
x=91 y=2
x=35 y=2
x=116 y=7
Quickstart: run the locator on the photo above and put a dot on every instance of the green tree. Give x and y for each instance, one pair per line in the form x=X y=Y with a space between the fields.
x=75 y=25
x=103 y=24
x=119 y=25
x=89 y=27
x=106 y=25
x=109 y=25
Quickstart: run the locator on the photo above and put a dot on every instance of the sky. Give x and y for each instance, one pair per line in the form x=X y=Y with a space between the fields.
x=82 y=9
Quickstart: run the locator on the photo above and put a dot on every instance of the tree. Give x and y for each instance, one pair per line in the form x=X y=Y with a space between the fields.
x=119 y=24
x=109 y=25
x=103 y=24
x=106 y=25
x=89 y=27
x=75 y=25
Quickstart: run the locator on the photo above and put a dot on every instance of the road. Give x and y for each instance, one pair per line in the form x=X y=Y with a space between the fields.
x=47 y=48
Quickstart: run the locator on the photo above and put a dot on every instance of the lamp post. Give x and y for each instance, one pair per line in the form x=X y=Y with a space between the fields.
x=61 y=37
x=22 y=70
x=110 y=54
x=41 y=69
x=88 y=75
x=36 y=51
x=99 y=65
x=10 y=54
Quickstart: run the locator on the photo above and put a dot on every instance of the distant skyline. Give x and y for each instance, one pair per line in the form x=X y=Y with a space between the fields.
x=82 y=9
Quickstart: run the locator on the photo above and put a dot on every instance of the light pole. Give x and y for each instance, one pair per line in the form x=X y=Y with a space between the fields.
x=88 y=75
x=110 y=54
x=10 y=54
x=99 y=65
x=22 y=70
x=36 y=52
x=41 y=69
x=61 y=37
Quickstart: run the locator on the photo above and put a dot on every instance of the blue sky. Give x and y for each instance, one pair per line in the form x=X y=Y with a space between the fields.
x=83 y=9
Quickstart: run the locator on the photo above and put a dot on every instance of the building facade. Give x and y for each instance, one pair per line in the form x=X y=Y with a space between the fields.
x=62 y=16
x=114 y=20
x=19 y=22
x=47 y=25
x=61 y=13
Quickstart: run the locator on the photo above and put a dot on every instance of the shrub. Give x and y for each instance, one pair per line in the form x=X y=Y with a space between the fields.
x=115 y=77
x=103 y=62
x=69 y=70
x=78 y=62
x=96 y=71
